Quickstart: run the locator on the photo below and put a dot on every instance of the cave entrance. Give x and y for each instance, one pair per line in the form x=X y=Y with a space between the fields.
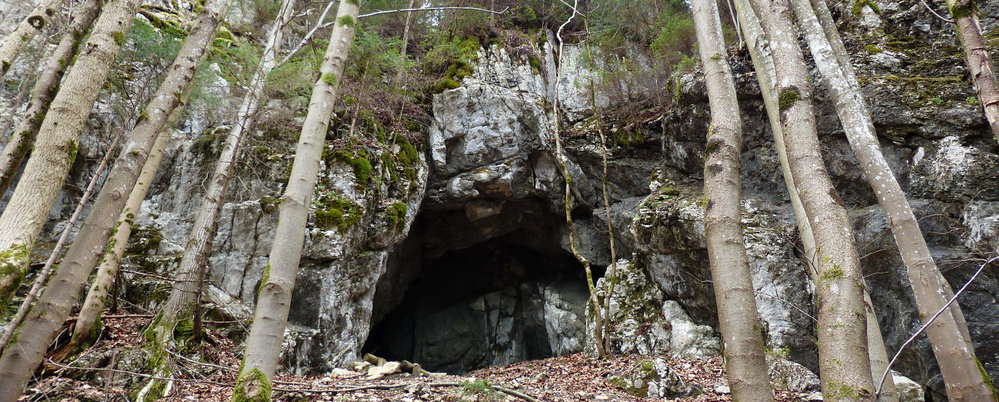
x=498 y=301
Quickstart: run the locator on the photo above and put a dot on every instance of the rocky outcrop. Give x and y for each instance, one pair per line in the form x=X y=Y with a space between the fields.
x=457 y=257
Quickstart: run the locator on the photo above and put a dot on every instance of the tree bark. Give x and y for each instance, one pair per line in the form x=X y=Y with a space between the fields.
x=16 y=41
x=263 y=346
x=763 y=64
x=953 y=352
x=405 y=42
x=46 y=270
x=65 y=286
x=44 y=90
x=843 y=357
x=180 y=306
x=56 y=146
x=738 y=320
x=88 y=321
x=965 y=16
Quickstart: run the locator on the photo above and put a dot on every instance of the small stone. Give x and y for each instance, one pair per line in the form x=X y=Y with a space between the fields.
x=722 y=389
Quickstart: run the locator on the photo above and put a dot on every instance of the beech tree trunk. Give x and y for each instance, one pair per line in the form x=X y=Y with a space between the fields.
x=180 y=306
x=954 y=354
x=16 y=41
x=88 y=322
x=45 y=90
x=56 y=146
x=965 y=16
x=64 y=288
x=763 y=64
x=843 y=357
x=745 y=359
x=263 y=346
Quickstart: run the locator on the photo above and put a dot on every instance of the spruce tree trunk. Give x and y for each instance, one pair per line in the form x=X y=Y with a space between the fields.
x=23 y=355
x=745 y=359
x=263 y=346
x=16 y=41
x=180 y=306
x=965 y=16
x=954 y=354
x=88 y=322
x=56 y=146
x=843 y=357
x=45 y=90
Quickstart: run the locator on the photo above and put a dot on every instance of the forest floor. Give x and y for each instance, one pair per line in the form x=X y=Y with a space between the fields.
x=566 y=378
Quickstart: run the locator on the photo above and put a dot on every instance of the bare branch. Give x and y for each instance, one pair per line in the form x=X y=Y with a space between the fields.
x=308 y=36
x=404 y=10
x=930 y=321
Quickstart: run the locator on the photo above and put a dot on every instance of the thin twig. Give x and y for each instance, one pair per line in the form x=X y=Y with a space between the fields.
x=143 y=375
x=930 y=321
x=504 y=390
x=934 y=12
x=405 y=10
x=308 y=36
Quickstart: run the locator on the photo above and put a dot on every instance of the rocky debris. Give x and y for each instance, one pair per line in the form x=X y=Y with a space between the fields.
x=655 y=379
x=789 y=376
x=908 y=390
x=374 y=367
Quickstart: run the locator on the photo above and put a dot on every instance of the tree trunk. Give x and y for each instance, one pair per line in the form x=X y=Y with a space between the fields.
x=763 y=64
x=54 y=307
x=46 y=270
x=56 y=147
x=405 y=42
x=16 y=41
x=594 y=301
x=263 y=346
x=843 y=358
x=44 y=90
x=745 y=359
x=965 y=16
x=180 y=306
x=954 y=354
x=88 y=322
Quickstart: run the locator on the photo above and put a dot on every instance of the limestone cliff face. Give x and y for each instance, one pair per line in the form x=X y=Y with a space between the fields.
x=454 y=253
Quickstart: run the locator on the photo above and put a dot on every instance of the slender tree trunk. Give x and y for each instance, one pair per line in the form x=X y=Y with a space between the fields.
x=16 y=41
x=763 y=64
x=965 y=16
x=745 y=360
x=88 y=321
x=64 y=289
x=56 y=147
x=844 y=363
x=45 y=90
x=405 y=42
x=954 y=354
x=594 y=301
x=263 y=346
x=180 y=306
x=43 y=274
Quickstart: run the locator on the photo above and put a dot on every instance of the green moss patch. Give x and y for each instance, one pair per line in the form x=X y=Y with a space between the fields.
x=336 y=212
